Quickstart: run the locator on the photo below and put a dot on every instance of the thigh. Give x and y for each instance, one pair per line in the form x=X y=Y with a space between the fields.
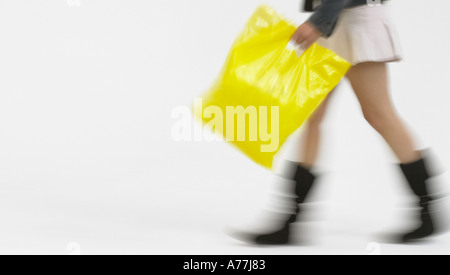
x=369 y=81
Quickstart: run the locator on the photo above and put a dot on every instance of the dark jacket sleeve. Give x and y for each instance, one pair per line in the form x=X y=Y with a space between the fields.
x=325 y=16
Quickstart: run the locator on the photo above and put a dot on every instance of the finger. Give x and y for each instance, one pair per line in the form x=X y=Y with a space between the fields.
x=296 y=33
x=294 y=37
x=300 y=39
x=305 y=45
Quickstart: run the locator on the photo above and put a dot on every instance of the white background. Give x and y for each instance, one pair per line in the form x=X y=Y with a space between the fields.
x=88 y=164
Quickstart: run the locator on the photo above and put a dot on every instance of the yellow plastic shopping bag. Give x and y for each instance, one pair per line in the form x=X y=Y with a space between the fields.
x=267 y=88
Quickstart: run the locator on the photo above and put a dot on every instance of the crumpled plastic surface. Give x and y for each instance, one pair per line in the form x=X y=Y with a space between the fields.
x=266 y=73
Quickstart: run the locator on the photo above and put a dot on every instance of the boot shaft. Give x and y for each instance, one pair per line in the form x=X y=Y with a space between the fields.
x=303 y=179
x=416 y=174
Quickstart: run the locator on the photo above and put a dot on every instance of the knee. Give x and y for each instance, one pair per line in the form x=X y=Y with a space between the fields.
x=379 y=119
x=316 y=118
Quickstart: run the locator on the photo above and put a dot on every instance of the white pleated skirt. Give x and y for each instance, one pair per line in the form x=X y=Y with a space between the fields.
x=365 y=34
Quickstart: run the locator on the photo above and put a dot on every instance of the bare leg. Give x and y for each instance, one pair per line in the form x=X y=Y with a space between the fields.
x=370 y=84
x=310 y=147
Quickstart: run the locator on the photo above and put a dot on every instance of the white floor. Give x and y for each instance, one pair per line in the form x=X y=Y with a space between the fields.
x=123 y=214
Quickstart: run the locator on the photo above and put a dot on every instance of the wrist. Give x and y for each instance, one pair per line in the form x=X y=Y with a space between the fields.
x=314 y=28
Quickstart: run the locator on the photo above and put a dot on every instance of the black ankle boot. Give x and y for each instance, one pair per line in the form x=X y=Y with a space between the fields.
x=304 y=180
x=416 y=174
